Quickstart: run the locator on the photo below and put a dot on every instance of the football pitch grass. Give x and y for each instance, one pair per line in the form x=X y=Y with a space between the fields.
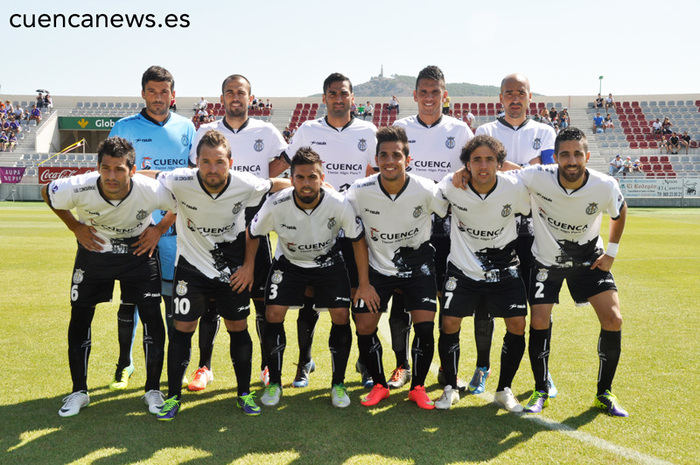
x=657 y=272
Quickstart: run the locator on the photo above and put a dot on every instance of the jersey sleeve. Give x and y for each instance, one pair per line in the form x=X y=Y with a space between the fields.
x=351 y=223
x=280 y=145
x=165 y=199
x=298 y=141
x=371 y=150
x=60 y=192
x=437 y=202
x=259 y=187
x=195 y=142
x=547 y=149
x=616 y=200
x=523 y=198
x=118 y=130
x=262 y=223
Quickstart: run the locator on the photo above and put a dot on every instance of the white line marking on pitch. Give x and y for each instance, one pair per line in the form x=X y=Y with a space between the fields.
x=555 y=425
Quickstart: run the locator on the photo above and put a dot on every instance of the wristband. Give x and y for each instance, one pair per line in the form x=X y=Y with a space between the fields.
x=612 y=249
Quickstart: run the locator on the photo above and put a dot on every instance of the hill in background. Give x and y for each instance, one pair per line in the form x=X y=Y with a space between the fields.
x=402 y=86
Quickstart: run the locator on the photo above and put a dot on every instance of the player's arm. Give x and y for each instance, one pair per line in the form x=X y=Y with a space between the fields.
x=83 y=233
x=617 y=225
x=278 y=165
x=365 y=291
x=148 y=240
x=243 y=277
x=279 y=183
x=536 y=161
x=150 y=173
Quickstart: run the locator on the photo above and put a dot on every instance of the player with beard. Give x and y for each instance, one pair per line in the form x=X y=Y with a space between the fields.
x=258 y=148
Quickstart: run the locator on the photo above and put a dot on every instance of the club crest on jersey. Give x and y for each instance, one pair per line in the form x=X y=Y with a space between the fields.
x=181 y=288
x=507 y=210
x=190 y=225
x=78 y=275
x=537 y=143
x=374 y=234
x=542 y=275
x=276 y=277
x=141 y=214
x=237 y=208
x=258 y=146
x=185 y=141
x=451 y=284
x=450 y=142
x=331 y=223
x=362 y=145
x=592 y=208
x=418 y=211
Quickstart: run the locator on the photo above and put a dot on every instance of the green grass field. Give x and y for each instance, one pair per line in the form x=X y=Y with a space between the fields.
x=657 y=272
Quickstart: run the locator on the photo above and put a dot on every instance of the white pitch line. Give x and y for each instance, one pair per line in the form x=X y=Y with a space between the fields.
x=560 y=427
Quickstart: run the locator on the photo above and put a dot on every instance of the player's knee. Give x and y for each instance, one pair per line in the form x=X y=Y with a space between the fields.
x=515 y=325
x=612 y=321
x=185 y=326
x=450 y=325
x=540 y=318
x=236 y=326
x=275 y=315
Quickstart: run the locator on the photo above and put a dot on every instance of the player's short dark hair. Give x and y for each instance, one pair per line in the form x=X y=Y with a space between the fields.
x=335 y=77
x=392 y=134
x=213 y=138
x=236 y=76
x=431 y=72
x=570 y=133
x=117 y=147
x=158 y=74
x=305 y=156
x=483 y=140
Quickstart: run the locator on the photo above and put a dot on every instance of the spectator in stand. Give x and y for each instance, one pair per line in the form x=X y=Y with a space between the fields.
x=254 y=103
x=616 y=165
x=599 y=102
x=3 y=141
x=36 y=114
x=609 y=102
x=501 y=112
x=15 y=127
x=685 y=140
x=12 y=142
x=597 y=123
x=39 y=100
x=261 y=104
x=361 y=110
x=666 y=126
x=663 y=145
x=564 y=119
x=268 y=105
x=627 y=166
x=544 y=117
x=656 y=126
x=201 y=105
x=553 y=114
x=287 y=134
x=394 y=104
x=608 y=122
x=353 y=110
x=202 y=114
x=637 y=166
x=446 y=105
x=674 y=144
x=48 y=102
x=173 y=104
x=369 y=109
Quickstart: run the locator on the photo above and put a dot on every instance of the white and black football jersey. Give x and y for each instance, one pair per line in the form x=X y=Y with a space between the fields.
x=253 y=146
x=567 y=223
x=345 y=152
x=523 y=143
x=483 y=230
x=397 y=227
x=113 y=220
x=435 y=149
x=307 y=238
x=210 y=228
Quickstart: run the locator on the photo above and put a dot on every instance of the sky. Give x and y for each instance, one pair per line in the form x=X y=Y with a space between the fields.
x=287 y=48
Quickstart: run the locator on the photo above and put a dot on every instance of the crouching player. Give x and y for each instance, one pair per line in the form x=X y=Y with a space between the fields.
x=115 y=242
x=307 y=219
x=482 y=267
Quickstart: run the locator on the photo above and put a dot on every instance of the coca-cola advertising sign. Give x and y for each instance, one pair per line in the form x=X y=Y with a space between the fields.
x=50 y=173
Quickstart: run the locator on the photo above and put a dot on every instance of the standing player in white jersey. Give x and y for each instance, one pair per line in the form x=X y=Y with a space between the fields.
x=346 y=146
x=527 y=142
x=162 y=141
x=257 y=148
x=435 y=142
x=568 y=201
x=115 y=241
x=307 y=219
x=396 y=210
x=211 y=202
x=482 y=270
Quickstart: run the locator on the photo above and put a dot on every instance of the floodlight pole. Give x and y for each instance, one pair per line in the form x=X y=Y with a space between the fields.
x=600 y=84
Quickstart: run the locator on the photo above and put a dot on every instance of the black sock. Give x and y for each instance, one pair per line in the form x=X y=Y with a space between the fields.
x=538 y=349
x=422 y=351
x=169 y=323
x=511 y=355
x=125 y=334
x=400 y=327
x=260 y=329
x=371 y=355
x=179 y=349
x=79 y=343
x=339 y=342
x=483 y=333
x=153 y=343
x=275 y=343
x=609 y=347
x=306 y=323
x=448 y=349
x=208 y=328
x=242 y=358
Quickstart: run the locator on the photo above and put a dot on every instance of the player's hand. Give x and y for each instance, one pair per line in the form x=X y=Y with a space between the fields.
x=460 y=179
x=88 y=238
x=369 y=296
x=603 y=263
x=242 y=279
x=148 y=241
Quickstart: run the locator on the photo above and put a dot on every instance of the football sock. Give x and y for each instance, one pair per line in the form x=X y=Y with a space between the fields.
x=371 y=354
x=260 y=323
x=538 y=350
x=242 y=357
x=448 y=349
x=609 y=346
x=126 y=329
x=400 y=327
x=275 y=343
x=511 y=355
x=179 y=349
x=153 y=343
x=79 y=343
x=339 y=342
x=422 y=351
x=306 y=323
x=483 y=333
x=169 y=323
x=208 y=328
